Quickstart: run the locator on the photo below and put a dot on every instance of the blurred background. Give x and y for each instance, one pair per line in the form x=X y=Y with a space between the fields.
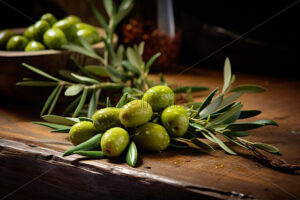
x=206 y=31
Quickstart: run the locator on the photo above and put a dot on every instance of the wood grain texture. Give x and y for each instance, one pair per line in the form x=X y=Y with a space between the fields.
x=28 y=151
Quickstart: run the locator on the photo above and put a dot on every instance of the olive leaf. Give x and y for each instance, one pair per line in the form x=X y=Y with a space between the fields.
x=73 y=90
x=98 y=15
x=81 y=102
x=134 y=57
x=108 y=104
x=72 y=105
x=56 y=96
x=49 y=99
x=40 y=72
x=37 y=83
x=52 y=125
x=85 y=78
x=244 y=126
x=67 y=74
x=202 y=145
x=207 y=101
x=87 y=119
x=123 y=100
x=124 y=8
x=61 y=130
x=230 y=99
x=82 y=69
x=91 y=154
x=132 y=154
x=93 y=103
x=211 y=107
x=237 y=133
x=267 y=147
x=130 y=67
x=98 y=70
x=266 y=122
x=249 y=113
x=227 y=75
x=248 y=88
x=151 y=61
x=174 y=143
x=109 y=7
x=58 y=120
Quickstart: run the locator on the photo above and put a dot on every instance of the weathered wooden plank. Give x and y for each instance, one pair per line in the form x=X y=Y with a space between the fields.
x=183 y=172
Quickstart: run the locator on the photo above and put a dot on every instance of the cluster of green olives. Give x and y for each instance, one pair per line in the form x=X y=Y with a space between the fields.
x=49 y=33
x=150 y=122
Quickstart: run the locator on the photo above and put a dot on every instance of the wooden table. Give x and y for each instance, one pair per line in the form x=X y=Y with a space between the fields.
x=31 y=166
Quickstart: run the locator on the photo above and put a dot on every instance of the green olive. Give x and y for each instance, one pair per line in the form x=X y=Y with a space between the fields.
x=16 y=43
x=34 y=46
x=5 y=35
x=29 y=32
x=176 y=120
x=159 y=97
x=54 y=38
x=135 y=113
x=82 y=25
x=86 y=34
x=49 y=17
x=152 y=137
x=106 y=118
x=81 y=131
x=114 y=141
x=74 y=19
x=38 y=30
x=68 y=27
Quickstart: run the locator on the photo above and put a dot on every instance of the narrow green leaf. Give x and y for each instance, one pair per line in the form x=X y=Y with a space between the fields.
x=37 y=83
x=162 y=78
x=92 y=108
x=91 y=154
x=226 y=115
x=230 y=99
x=109 y=8
x=232 y=119
x=208 y=137
x=61 y=130
x=203 y=145
x=85 y=79
x=184 y=89
x=119 y=55
x=130 y=67
x=81 y=50
x=248 y=88
x=266 y=122
x=197 y=126
x=249 y=113
x=124 y=8
x=134 y=58
x=97 y=70
x=55 y=99
x=81 y=103
x=225 y=108
x=108 y=104
x=73 y=90
x=141 y=48
x=211 y=108
x=231 y=139
x=122 y=101
x=132 y=154
x=58 y=120
x=237 y=133
x=178 y=144
x=207 y=101
x=243 y=126
x=86 y=45
x=49 y=100
x=98 y=15
x=85 y=119
x=82 y=69
x=52 y=125
x=151 y=61
x=67 y=74
x=227 y=75
x=72 y=105
x=267 y=148
x=221 y=143
x=116 y=74
x=40 y=72
x=91 y=144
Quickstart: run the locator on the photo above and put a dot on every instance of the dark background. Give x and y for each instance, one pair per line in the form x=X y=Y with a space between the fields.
x=271 y=48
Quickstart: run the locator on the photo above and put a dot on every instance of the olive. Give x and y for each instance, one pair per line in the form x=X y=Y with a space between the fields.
x=81 y=131
x=16 y=43
x=29 y=32
x=176 y=120
x=88 y=35
x=38 y=30
x=74 y=19
x=54 y=38
x=34 y=46
x=5 y=35
x=135 y=113
x=106 y=118
x=49 y=17
x=68 y=27
x=152 y=137
x=82 y=25
x=114 y=141
x=159 y=97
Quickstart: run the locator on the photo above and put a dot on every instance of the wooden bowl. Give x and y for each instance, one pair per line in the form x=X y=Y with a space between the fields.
x=50 y=61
